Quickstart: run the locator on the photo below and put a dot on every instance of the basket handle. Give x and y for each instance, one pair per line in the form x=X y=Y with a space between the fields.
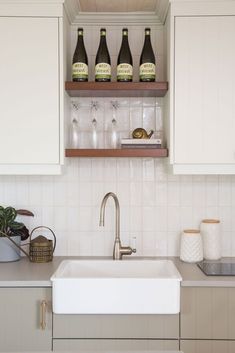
x=30 y=237
x=18 y=246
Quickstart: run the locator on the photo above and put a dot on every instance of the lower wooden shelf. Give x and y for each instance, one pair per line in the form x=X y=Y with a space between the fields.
x=131 y=152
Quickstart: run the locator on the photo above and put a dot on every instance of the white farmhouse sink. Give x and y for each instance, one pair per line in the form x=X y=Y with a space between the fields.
x=116 y=287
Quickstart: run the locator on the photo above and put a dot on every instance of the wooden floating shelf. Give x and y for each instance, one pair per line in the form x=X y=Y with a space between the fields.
x=131 y=152
x=116 y=89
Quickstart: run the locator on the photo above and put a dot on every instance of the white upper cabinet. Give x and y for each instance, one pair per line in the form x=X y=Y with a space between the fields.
x=203 y=86
x=30 y=107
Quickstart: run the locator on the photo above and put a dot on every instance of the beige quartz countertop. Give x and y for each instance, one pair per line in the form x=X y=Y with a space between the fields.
x=27 y=274
x=108 y=351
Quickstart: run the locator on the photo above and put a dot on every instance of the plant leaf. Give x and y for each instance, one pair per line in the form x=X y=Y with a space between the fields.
x=15 y=225
x=10 y=214
x=25 y=213
x=23 y=232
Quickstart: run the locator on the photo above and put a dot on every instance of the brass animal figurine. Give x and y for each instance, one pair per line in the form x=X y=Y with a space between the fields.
x=141 y=133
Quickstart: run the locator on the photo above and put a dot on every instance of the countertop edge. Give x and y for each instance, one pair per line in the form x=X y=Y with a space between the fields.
x=27 y=274
x=19 y=284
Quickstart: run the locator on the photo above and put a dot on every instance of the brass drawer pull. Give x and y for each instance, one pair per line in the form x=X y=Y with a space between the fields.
x=43 y=306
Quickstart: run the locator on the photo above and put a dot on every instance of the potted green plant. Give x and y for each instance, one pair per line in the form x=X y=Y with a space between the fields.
x=11 y=228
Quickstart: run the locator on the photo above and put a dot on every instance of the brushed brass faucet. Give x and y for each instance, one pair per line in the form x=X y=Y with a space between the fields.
x=118 y=249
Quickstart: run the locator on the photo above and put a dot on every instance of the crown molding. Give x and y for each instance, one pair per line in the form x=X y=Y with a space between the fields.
x=162 y=7
x=72 y=8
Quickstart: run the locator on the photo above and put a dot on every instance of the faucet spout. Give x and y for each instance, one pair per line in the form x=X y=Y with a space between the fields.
x=118 y=249
x=117 y=207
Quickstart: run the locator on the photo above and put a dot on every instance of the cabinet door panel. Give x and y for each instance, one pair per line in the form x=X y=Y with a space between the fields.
x=20 y=318
x=116 y=326
x=112 y=345
x=208 y=313
x=207 y=346
x=29 y=86
x=204 y=108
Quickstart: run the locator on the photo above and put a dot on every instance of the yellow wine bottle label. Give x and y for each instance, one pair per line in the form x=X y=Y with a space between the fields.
x=147 y=71
x=124 y=72
x=102 y=70
x=80 y=70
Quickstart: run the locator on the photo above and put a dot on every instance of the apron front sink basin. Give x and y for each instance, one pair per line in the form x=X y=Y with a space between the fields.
x=116 y=287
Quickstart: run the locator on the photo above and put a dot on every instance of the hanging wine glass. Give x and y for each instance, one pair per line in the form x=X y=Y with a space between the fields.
x=94 y=132
x=113 y=135
x=74 y=127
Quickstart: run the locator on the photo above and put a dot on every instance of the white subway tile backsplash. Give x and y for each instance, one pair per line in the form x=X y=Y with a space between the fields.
x=149 y=243
x=60 y=217
x=225 y=194
x=173 y=218
x=185 y=193
x=227 y=244
x=149 y=218
x=73 y=218
x=161 y=193
x=149 y=193
x=85 y=219
x=135 y=219
x=173 y=196
x=186 y=217
x=161 y=217
x=97 y=245
x=155 y=206
x=84 y=245
x=173 y=243
x=212 y=193
x=161 y=243
x=85 y=194
x=148 y=169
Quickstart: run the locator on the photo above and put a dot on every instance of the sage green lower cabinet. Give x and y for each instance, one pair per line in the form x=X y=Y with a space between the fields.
x=115 y=332
x=116 y=344
x=207 y=346
x=207 y=313
x=116 y=326
x=25 y=319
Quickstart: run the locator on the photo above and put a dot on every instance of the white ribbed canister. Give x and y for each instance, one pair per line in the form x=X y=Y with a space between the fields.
x=210 y=231
x=191 y=246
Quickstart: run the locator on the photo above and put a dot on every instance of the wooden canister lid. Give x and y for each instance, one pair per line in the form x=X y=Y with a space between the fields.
x=211 y=221
x=191 y=231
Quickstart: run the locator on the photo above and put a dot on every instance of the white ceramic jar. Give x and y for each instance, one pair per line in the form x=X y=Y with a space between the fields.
x=210 y=231
x=191 y=246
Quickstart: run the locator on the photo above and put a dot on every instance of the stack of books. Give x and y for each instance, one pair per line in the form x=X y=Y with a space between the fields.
x=141 y=143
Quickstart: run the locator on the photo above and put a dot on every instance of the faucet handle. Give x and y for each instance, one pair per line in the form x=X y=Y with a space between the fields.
x=133 y=244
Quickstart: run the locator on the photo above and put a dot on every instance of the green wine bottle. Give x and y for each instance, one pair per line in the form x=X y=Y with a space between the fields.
x=80 y=60
x=147 y=60
x=102 y=61
x=124 y=62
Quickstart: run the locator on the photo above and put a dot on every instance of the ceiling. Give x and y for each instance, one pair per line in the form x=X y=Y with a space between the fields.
x=108 y=11
x=118 y=5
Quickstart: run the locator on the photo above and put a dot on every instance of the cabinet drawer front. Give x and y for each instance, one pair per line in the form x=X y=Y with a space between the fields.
x=207 y=346
x=116 y=326
x=208 y=313
x=111 y=345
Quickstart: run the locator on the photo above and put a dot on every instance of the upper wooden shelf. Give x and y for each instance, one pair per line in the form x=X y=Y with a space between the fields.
x=122 y=152
x=116 y=89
